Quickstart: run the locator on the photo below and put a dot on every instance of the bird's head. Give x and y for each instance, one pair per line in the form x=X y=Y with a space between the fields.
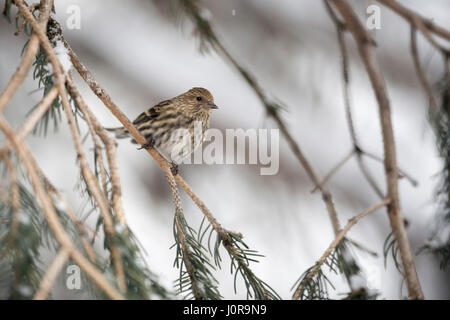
x=197 y=100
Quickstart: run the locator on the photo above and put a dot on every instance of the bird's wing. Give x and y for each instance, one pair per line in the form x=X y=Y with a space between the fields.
x=152 y=113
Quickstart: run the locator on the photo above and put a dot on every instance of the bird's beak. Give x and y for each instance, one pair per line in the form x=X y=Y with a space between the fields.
x=211 y=105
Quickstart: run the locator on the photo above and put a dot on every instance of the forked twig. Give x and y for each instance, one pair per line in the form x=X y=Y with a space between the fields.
x=339 y=237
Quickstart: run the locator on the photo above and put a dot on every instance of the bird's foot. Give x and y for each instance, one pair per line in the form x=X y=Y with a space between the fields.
x=149 y=145
x=174 y=168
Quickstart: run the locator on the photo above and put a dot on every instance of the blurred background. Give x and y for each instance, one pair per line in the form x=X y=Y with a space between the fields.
x=141 y=55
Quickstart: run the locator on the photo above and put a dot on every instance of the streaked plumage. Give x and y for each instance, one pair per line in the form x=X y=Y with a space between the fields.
x=159 y=123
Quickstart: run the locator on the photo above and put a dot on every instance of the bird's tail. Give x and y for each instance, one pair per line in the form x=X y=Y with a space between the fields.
x=120 y=132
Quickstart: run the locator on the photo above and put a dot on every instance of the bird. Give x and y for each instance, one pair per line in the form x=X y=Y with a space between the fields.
x=174 y=127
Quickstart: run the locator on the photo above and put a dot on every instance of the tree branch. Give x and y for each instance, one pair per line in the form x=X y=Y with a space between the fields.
x=51 y=274
x=87 y=173
x=64 y=240
x=367 y=53
x=339 y=237
x=413 y=17
x=28 y=57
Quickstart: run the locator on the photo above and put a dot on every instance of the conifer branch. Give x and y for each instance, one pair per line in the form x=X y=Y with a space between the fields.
x=27 y=60
x=105 y=98
x=205 y=30
x=299 y=291
x=93 y=185
x=357 y=150
x=14 y=199
x=187 y=254
x=190 y=251
x=35 y=116
x=59 y=89
x=79 y=225
x=101 y=93
x=230 y=241
x=87 y=173
x=110 y=146
x=64 y=240
x=22 y=133
x=365 y=45
x=51 y=274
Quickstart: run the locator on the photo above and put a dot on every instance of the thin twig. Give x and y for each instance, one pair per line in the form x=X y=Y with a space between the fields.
x=110 y=146
x=87 y=173
x=79 y=225
x=340 y=28
x=223 y=234
x=326 y=195
x=413 y=17
x=14 y=199
x=34 y=117
x=204 y=26
x=401 y=172
x=17 y=79
x=367 y=53
x=99 y=197
x=105 y=98
x=60 y=234
x=335 y=169
x=51 y=274
x=181 y=234
x=447 y=78
x=339 y=237
x=22 y=133
x=420 y=72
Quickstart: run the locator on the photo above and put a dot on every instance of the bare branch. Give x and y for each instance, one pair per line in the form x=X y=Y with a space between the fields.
x=413 y=17
x=335 y=169
x=367 y=52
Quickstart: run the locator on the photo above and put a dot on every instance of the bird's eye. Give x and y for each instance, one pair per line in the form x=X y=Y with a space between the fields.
x=199 y=98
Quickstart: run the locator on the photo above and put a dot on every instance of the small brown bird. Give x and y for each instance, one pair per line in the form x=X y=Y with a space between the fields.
x=175 y=127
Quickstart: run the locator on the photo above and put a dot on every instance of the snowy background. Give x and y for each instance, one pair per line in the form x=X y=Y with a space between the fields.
x=141 y=57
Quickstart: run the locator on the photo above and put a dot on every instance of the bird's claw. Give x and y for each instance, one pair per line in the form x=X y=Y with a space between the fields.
x=174 y=169
x=149 y=145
